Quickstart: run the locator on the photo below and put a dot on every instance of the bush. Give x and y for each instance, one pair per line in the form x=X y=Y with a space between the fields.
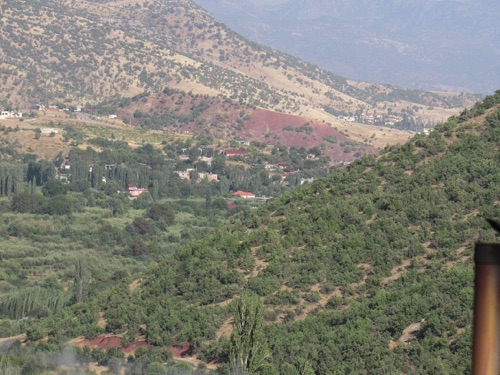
x=7 y=329
x=57 y=205
x=139 y=248
x=161 y=212
x=219 y=203
x=115 y=365
x=142 y=226
x=25 y=202
x=143 y=201
x=53 y=188
x=157 y=368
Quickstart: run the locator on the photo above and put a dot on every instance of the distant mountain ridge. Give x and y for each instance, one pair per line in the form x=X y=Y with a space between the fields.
x=106 y=48
x=421 y=44
x=73 y=53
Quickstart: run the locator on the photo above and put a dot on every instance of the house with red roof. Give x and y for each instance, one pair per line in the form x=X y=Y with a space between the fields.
x=135 y=191
x=243 y=194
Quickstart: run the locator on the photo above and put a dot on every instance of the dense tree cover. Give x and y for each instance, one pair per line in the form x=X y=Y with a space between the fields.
x=342 y=266
x=419 y=207
x=119 y=165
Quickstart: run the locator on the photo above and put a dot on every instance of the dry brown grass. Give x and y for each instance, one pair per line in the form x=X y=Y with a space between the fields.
x=102 y=320
x=260 y=264
x=134 y=285
x=408 y=334
x=244 y=64
x=397 y=271
x=384 y=136
x=46 y=147
x=225 y=329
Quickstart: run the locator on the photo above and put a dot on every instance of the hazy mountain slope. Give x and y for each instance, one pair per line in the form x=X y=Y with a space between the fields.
x=77 y=52
x=427 y=44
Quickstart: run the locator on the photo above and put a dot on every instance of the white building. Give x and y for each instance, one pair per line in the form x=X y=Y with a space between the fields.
x=10 y=114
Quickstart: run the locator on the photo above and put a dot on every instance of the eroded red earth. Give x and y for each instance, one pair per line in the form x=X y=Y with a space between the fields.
x=227 y=120
x=113 y=341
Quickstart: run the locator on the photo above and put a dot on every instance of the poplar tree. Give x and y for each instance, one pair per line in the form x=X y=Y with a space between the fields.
x=248 y=347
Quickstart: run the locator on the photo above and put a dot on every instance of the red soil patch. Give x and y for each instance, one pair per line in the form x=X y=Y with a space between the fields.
x=219 y=118
x=112 y=341
x=181 y=350
x=273 y=127
x=134 y=346
x=103 y=342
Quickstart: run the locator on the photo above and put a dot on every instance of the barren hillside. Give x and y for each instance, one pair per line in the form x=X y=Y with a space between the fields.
x=86 y=52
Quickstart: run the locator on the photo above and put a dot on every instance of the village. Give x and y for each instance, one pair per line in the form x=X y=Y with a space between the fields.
x=201 y=171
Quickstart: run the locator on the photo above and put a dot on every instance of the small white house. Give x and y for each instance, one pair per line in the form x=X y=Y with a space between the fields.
x=185 y=175
x=306 y=180
x=10 y=114
x=206 y=159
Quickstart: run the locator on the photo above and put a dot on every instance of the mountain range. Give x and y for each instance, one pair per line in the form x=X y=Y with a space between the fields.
x=76 y=53
x=433 y=45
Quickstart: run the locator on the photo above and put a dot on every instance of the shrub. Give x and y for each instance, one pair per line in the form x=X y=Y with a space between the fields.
x=25 y=202
x=57 y=205
x=142 y=226
x=54 y=187
x=161 y=212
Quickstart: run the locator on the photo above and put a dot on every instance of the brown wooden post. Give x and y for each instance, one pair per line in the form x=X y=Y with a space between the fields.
x=486 y=350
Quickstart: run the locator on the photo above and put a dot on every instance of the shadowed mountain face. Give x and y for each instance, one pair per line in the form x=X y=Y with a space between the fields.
x=419 y=44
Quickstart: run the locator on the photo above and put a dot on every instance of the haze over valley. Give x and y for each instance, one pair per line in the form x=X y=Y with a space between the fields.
x=432 y=45
x=176 y=198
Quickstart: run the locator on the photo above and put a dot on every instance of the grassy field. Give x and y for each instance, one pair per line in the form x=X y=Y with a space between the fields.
x=49 y=145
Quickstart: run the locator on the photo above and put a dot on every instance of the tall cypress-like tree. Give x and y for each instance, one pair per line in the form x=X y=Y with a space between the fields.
x=248 y=347
x=81 y=280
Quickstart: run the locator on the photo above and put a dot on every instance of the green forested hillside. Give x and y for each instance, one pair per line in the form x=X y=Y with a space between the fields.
x=367 y=271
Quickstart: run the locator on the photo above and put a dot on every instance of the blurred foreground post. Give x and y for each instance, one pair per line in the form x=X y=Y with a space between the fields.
x=486 y=350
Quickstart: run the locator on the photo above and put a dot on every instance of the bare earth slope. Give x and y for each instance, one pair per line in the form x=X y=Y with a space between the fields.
x=81 y=52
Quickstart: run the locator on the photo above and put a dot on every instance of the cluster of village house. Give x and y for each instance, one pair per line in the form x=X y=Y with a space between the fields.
x=43 y=107
x=134 y=191
x=370 y=119
x=65 y=167
x=390 y=120
x=53 y=108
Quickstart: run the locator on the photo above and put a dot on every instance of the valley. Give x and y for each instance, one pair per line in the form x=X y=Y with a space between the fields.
x=176 y=199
